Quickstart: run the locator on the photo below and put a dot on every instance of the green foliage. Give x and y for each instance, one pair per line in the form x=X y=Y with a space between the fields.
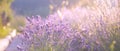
x=5 y=17
x=114 y=37
x=4 y=31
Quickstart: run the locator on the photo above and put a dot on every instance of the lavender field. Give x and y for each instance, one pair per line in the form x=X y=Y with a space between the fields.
x=82 y=25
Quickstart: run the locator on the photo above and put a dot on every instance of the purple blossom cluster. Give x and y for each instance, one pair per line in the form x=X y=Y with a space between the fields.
x=55 y=34
x=80 y=29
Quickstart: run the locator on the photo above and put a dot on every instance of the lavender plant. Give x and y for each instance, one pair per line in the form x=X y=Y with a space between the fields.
x=55 y=34
x=79 y=29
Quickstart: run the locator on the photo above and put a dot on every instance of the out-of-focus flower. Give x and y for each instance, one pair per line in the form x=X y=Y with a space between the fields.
x=79 y=29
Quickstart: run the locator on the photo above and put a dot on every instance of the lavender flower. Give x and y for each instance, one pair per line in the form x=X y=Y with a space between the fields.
x=56 y=35
x=80 y=29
